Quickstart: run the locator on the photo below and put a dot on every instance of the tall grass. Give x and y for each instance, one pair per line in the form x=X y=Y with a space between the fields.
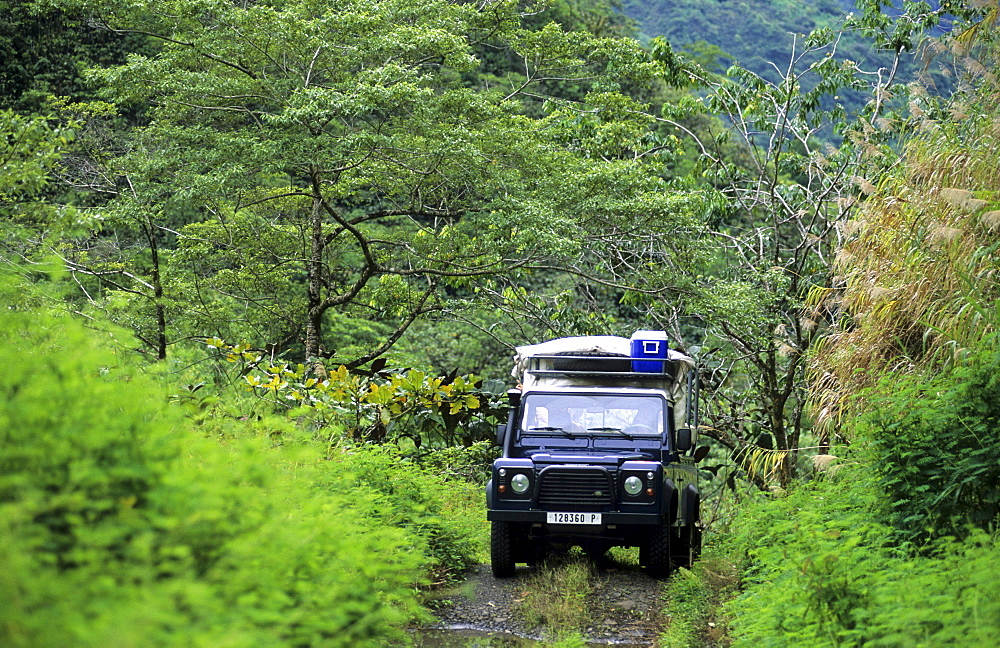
x=918 y=269
x=556 y=597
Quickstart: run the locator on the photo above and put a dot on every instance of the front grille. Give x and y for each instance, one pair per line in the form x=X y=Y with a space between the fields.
x=575 y=489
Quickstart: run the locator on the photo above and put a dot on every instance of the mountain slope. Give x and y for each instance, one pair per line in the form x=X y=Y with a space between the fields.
x=760 y=34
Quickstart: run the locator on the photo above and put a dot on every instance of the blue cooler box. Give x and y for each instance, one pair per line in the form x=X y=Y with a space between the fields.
x=652 y=345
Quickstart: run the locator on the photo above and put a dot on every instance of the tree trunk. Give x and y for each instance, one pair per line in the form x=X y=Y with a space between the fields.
x=314 y=274
x=159 y=308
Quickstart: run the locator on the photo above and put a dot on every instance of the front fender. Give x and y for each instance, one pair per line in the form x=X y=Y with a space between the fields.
x=669 y=501
x=692 y=505
x=489 y=494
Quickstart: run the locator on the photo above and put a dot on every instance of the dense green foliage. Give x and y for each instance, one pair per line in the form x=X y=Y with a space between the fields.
x=895 y=545
x=124 y=526
x=29 y=149
x=823 y=570
x=895 y=542
x=371 y=174
x=44 y=53
x=934 y=444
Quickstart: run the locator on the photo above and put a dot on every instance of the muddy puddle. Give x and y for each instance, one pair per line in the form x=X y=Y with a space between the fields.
x=463 y=637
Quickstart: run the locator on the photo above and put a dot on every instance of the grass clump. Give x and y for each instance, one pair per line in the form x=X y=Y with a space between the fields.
x=556 y=598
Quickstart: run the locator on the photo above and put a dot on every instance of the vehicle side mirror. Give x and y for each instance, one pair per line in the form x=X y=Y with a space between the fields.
x=683 y=439
x=501 y=433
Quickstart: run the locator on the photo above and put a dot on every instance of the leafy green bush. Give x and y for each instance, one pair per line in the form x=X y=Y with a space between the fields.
x=821 y=569
x=949 y=598
x=121 y=528
x=807 y=561
x=471 y=464
x=935 y=445
x=376 y=405
x=443 y=518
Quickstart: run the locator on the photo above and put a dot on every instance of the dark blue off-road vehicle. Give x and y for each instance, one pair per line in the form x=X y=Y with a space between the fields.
x=596 y=453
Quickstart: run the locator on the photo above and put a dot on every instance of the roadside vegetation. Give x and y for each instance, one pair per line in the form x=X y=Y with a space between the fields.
x=126 y=524
x=892 y=540
x=694 y=600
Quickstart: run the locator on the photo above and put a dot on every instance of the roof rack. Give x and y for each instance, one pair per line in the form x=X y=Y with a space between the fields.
x=601 y=366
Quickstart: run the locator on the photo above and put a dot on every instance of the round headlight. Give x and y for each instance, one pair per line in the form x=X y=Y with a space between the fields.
x=633 y=485
x=520 y=483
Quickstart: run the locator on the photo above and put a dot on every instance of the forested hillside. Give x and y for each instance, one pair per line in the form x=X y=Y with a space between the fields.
x=264 y=265
x=763 y=35
x=753 y=33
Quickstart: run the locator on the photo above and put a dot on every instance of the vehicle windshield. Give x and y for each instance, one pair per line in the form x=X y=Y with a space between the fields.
x=572 y=414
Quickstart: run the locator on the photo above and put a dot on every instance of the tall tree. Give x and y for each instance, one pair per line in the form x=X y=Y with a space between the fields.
x=30 y=150
x=308 y=161
x=752 y=311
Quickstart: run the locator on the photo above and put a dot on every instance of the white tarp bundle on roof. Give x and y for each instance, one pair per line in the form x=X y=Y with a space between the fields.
x=595 y=344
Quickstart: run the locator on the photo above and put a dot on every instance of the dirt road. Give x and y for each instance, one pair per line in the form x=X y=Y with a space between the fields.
x=624 y=606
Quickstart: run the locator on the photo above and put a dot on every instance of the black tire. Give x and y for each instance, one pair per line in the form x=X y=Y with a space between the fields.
x=501 y=549
x=687 y=546
x=654 y=555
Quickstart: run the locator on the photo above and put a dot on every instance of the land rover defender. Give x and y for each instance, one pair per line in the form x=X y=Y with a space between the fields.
x=597 y=452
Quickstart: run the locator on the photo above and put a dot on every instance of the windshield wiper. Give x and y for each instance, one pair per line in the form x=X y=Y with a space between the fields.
x=612 y=429
x=552 y=429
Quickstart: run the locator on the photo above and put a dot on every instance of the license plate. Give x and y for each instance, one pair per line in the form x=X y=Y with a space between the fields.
x=573 y=518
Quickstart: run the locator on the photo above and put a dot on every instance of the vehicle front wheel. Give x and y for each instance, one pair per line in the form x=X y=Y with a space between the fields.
x=502 y=549
x=655 y=553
